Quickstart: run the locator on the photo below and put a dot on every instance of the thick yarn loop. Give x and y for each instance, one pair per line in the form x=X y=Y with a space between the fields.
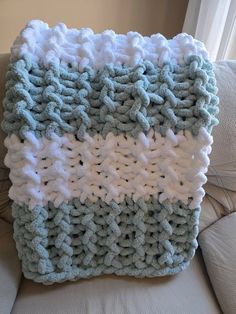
x=104 y=238
x=35 y=256
x=116 y=99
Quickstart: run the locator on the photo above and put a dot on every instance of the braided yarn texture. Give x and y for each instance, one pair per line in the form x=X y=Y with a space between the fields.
x=108 y=138
x=114 y=99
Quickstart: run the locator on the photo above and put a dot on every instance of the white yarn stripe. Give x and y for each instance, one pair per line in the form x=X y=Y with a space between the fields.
x=58 y=170
x=83 y=48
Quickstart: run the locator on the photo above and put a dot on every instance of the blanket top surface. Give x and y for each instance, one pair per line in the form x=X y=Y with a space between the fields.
x=108 y=139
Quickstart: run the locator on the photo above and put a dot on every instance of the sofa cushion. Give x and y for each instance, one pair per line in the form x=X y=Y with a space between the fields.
x=10 y=272
x=220 y=189
x=222 y=170
x=187 y=292
x=218 y=244
x=218 y=202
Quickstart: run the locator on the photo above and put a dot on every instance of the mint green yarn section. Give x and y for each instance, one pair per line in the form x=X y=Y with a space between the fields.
x=114 y=99
x=75 y=240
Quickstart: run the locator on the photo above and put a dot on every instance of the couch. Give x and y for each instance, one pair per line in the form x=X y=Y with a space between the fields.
x=207 y=286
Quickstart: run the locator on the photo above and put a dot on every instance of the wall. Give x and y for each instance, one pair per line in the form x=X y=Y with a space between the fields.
x=144 y=16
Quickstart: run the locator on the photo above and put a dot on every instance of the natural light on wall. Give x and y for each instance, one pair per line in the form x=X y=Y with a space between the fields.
x=214 y=23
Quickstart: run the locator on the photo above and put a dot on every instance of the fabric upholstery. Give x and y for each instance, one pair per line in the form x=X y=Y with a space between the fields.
x=220 y=189
x=221 y=184
x=217 y=203
x=187 y=292
x=10 y=270
x=222 y=170
x=218 y=244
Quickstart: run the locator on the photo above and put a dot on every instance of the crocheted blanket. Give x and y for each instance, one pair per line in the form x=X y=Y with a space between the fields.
x=108 y=143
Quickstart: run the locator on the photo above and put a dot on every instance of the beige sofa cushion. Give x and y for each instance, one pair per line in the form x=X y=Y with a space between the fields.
x=222 y=170
x=218 y=244
x=187 y=292
x=220 y=189
x=10 y=270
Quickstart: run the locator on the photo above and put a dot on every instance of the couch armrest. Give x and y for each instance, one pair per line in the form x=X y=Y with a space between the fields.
x=10 y=270
x=218 y=245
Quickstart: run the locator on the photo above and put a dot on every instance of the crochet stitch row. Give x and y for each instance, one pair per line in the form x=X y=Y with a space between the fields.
x=141 y=239
x=57 y=170
x=82 y=48
x=115 y=99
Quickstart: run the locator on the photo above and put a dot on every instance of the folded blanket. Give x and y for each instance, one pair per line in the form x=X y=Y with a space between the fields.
x=108 y=143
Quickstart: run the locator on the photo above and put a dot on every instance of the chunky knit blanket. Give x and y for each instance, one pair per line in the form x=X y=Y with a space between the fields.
x=108 y=143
